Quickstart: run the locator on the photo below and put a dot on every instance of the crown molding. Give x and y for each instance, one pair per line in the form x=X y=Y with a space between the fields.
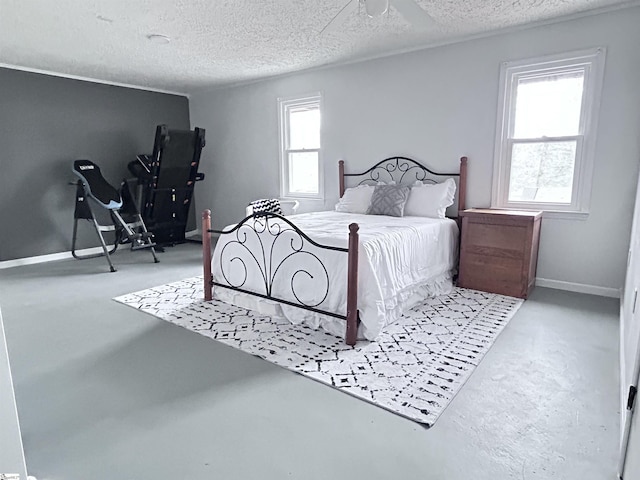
x=90 y=80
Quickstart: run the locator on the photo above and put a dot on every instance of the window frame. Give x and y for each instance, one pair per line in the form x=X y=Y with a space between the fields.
x=285 y=105
x=591 y=61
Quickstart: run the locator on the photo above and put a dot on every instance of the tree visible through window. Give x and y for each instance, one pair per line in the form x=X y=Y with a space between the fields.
x=547 y=129
x=300 y=139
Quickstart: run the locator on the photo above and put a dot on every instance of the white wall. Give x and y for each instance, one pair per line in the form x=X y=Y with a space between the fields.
x=436 y=105
x=11 y=453
x=632 y=466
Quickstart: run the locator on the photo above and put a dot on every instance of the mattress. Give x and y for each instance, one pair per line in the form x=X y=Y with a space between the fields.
x=401 y=261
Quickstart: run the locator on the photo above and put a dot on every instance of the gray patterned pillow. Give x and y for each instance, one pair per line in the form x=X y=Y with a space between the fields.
x=388 y=200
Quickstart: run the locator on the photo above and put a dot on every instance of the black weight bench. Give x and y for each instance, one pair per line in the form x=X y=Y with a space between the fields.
x=119 y=203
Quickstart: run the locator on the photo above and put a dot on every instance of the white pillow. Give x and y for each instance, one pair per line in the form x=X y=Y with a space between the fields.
x=355 y=200
x=430 y=200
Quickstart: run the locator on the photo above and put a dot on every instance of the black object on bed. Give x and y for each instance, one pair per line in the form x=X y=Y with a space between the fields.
x=271 y=205
x=167 y=179
x=128 y=226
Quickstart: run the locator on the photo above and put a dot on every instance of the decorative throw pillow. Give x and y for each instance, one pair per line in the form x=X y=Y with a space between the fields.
x=430 y=200
x=355 y=200
x=271 y=205
x=388 y=200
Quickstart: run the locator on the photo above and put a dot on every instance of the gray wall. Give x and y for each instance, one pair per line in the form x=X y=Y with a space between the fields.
x=47 y=122
x=437 y=105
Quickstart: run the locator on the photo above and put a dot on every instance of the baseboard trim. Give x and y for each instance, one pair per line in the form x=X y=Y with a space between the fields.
x=52 y=257
x=541 y=282
x=578 y=287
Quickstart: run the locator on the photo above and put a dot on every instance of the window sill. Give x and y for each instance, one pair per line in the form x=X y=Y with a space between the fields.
x=553 y=214
x=302 y=198
x=560 y=215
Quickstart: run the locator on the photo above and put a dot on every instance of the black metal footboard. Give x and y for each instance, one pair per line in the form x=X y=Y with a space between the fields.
x=263 y=246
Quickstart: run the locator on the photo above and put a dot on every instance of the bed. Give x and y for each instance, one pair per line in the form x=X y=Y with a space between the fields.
x=349 y=273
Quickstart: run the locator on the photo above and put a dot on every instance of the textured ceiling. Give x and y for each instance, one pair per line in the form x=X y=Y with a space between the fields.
x=215 y=42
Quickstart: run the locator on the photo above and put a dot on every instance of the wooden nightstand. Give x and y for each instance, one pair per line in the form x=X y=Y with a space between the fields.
x=499 y=251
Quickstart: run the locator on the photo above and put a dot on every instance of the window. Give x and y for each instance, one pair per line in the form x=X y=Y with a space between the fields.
x=300 y=166
x=546 y=132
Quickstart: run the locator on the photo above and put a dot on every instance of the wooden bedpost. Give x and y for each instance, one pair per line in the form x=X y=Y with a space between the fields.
x=462 y=194
x=353 y=318
x=341 y=172
x=206 y=254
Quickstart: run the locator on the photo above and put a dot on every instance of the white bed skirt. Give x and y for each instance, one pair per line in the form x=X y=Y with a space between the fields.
x=400 y=262
x=440 y=285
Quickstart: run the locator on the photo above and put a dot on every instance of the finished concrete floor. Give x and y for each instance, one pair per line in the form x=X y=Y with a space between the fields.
x=105 y=392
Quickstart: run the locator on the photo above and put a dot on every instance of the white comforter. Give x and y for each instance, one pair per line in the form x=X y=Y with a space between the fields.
x=401 y=261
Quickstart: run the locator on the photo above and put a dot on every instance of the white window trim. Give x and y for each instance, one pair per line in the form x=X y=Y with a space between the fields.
x=585 y=149
x=283 y=105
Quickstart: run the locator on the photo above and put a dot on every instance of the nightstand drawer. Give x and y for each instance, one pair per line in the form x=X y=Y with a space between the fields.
x=496 y=240
x=499 y=250
x=494 y=274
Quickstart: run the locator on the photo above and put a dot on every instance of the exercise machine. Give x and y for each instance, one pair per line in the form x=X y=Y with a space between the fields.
x=166 y=181
x=127 y=223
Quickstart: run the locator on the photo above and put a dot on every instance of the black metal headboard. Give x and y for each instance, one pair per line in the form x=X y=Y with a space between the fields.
x=406 y=171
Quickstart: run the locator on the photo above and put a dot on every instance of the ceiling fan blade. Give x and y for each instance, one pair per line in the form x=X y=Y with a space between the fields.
x=341 y=16
x=413 y=13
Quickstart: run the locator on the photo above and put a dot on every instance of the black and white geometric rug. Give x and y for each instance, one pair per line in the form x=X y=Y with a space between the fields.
x=414 y=369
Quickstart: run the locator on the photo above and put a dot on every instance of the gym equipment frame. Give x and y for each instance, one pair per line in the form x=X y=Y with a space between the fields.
x=93 y=188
